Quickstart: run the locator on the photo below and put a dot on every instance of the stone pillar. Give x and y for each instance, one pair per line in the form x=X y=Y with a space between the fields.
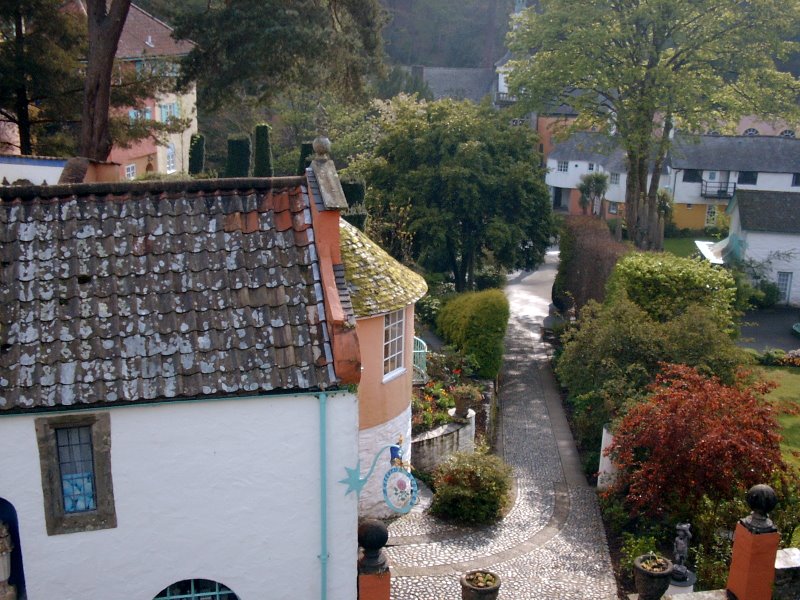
x=607 y=472
x=755 y=546
x=787 y=575
x=374 y=578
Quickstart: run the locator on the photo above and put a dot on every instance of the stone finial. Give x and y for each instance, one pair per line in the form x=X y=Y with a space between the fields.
x=372 y=537
x=322 y=145
x=761 y=499
x=6 y=545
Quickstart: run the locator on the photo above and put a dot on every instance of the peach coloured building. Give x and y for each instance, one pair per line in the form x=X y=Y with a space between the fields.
x=383 y=293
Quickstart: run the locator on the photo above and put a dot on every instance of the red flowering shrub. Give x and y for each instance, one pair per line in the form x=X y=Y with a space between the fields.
x=694 y=436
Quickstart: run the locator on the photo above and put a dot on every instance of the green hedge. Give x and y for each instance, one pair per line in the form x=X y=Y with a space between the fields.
x=197 y=154
x=262 y=156
x=238 y=163
x=475 y=323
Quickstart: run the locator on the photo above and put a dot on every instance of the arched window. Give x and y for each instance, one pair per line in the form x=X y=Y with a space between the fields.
x=196 y=589
x=751 y=131
x=788 y=133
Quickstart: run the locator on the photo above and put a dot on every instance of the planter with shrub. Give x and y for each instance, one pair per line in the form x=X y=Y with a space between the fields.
x=472 y=488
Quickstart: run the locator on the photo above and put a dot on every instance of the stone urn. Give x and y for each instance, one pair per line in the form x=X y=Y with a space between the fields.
x=480 y=585
x=465 y=397
x=652 y=574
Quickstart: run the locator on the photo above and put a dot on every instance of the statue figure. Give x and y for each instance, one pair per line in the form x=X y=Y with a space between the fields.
x=681 y=551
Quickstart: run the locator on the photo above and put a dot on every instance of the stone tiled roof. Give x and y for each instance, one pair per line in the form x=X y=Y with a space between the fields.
x=378 y=283
x=157 y=290
x=766 y=154
x=769 y=212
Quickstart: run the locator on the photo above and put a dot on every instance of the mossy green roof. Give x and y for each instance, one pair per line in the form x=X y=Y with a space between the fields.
x=378 y=283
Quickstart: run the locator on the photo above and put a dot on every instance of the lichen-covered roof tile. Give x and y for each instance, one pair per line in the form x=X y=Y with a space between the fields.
x=159 y=290
x=377 y=282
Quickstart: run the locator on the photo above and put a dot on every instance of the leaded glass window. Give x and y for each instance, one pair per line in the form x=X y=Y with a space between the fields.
x=76 y=464
x=197 y=589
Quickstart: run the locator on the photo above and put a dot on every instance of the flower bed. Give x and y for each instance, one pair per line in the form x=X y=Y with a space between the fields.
x=429 y=407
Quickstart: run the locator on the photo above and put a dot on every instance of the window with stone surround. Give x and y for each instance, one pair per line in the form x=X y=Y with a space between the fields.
x=394 y=327
x=75 y=459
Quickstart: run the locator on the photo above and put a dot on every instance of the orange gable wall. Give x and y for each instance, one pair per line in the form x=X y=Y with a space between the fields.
x=379 y=402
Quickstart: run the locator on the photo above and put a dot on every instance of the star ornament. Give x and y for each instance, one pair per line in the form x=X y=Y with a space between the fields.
x=353 y=480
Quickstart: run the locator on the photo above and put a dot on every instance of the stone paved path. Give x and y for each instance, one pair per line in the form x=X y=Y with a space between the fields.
x=551 y=546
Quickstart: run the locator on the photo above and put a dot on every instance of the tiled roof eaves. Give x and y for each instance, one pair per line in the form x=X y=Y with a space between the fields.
x=378 y=283
x=313 y=187
x=27 y=192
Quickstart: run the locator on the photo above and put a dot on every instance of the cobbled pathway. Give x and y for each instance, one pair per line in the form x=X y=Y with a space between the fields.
x=551 y=545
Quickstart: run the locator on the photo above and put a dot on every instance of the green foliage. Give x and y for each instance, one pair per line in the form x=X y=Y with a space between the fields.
x=461 y=183
x=402 y=81
x=476 y=324
x=471 y=488
x=197 y=154
x=260 y=47
x=306 y=154
x=262 y=158
x=490 y=277
x=40 y=90
x=634 y=546
x=355 y=214
x=664 y=286
x=593 y=188
x=450 y=367
x=238 y=163
x=771 y=294
x=616 y=350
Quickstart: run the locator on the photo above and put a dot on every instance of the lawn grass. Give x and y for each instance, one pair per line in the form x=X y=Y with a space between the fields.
x=787 y=399
x=683 y=247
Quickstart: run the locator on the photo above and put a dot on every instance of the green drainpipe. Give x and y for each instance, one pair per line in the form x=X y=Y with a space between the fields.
x=323 y=500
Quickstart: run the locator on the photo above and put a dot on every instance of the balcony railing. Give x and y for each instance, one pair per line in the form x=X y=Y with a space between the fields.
x=504 y=99
x=420 y=361
x=717 y=189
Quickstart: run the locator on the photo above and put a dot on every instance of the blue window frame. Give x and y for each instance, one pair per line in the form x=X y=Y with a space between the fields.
x=196 y=589
x=76 y=465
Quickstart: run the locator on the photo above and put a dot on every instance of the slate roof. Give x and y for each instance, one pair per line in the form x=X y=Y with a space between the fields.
x=766 y=154
x=141 y=27
x=589 y=147
x=143 y=291
x=377 y=282
x=768 y=212
x=459 y=83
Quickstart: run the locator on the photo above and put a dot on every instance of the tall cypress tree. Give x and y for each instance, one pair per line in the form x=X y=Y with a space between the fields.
x=197 y=154
x=238 y=163
x=262 y=159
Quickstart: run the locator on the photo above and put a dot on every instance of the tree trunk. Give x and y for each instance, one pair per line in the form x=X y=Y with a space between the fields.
x=105 y=27
x=656 y=221
x=21 y=102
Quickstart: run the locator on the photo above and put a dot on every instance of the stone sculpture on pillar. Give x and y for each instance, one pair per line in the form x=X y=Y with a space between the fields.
x=7 y=591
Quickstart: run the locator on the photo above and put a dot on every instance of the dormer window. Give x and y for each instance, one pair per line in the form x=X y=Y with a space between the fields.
x=787 y=133
x=750 y=131
x=563 y=166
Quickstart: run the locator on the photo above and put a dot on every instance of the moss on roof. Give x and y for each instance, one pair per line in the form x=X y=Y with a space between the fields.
x=378 y=283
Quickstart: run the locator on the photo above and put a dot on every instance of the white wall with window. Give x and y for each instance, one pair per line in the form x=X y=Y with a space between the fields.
x=223 y=490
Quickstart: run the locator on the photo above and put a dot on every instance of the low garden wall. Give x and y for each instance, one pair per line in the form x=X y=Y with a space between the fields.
x=433 y=447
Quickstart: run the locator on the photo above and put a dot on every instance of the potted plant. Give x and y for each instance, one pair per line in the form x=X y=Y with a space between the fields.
x=480 y=585
x=651 y=573
x=466 y=396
